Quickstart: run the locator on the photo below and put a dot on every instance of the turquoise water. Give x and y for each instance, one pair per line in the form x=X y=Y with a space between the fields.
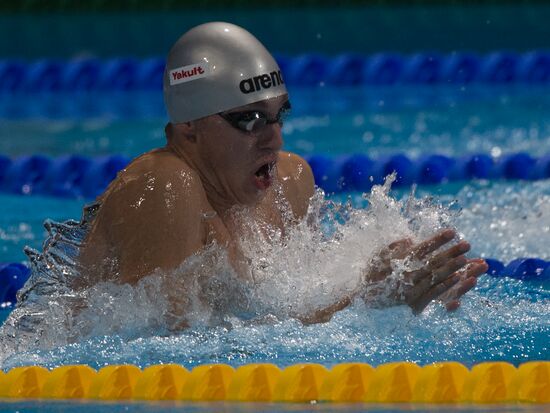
x=63 y=407
x=361 y=27
x=376 y=121
x=452 y=120
x=503 y=319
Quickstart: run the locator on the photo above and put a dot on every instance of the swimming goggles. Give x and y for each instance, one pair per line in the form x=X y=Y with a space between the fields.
x=253 y=120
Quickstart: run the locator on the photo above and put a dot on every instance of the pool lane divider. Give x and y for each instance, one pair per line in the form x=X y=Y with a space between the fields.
x=14 y=275
x=82 y=176
x=397 y=382
x=358 y=172
x=310 y=69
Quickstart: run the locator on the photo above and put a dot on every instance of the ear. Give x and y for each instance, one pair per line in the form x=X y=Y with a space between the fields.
x=186 y=130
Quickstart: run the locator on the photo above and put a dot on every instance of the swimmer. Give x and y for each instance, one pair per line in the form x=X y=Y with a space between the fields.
x=226 y=100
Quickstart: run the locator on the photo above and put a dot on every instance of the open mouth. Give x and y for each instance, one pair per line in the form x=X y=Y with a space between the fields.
x=263 y=176
x=265 y=170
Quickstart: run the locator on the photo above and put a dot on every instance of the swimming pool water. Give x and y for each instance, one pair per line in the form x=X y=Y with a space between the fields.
x=451 y=120
x=375 y=121
x=502 y=319
x=65 y=407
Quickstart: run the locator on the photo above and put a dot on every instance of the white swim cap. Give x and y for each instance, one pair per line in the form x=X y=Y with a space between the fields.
x=215 y=67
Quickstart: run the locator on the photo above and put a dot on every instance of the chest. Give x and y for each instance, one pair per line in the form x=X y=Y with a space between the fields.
x=265 y=218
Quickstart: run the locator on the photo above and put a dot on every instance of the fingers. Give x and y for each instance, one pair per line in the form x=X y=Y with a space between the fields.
x=397 y=249
x=452 y=305
x=427 y=276
x=464 y=286
x=380 y=266
x=455 y=251
x=484 y=267
x=453 y=265
x=476 y=268
x=443 y=264
x=404 y=247
x=434 y=292
x=455 y=286
x=427 y=247
x=401 y=248
x=447 y=275
x=458 y=291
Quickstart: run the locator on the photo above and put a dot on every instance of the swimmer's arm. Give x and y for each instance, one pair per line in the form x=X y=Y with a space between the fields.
x=325 y=314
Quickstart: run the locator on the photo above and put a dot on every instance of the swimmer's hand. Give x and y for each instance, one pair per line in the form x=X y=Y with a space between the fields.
x=446 y=275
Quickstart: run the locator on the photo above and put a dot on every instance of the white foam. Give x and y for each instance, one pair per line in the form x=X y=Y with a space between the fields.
x=309 y=267
x=507 y=220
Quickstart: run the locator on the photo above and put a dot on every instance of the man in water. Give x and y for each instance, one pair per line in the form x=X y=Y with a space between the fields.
x=226 y=99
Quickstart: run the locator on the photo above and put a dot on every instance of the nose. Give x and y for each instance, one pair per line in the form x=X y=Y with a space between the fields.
x=271 y=137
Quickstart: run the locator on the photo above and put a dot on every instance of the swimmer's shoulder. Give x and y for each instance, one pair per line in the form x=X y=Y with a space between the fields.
x=151 y=216
x=296 y=178
x=161 y=163
x=294 y=165
x=153 y=171
x=156 y=189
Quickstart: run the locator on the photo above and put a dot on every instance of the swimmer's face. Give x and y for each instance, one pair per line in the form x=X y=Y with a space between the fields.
x=241 y=164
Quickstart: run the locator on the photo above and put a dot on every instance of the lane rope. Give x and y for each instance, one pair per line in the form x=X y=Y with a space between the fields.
x=309 y=69
x=87 y=177
x=398 y=382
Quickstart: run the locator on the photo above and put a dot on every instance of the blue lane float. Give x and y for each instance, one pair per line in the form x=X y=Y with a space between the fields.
x=358 y=172
x=119 y=74
x=14 y=275
x=422 y=68
x=345 y=70
x=384 y=69
x=26 y=175
x=526 y=269
x=100 y=173
x=64 y=176
x=81 y=176
x=125 y=73
x=460 y=68
x=534 y=67
x=499 y=67
x=82 y=75
x=479 y=166
x=13 y=73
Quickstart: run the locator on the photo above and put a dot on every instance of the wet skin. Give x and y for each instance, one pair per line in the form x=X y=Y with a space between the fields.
x=170 y=203
x=446 y=274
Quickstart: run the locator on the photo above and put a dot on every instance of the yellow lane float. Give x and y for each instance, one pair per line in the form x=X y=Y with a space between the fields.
x=400 y=382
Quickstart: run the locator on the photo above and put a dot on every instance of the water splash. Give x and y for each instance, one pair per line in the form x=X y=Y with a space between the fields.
x=506 y=221
x=241 y=321
x=499 y=327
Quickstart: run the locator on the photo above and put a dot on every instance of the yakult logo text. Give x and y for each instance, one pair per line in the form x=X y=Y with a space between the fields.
x=188 y=73
x=260 y=82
